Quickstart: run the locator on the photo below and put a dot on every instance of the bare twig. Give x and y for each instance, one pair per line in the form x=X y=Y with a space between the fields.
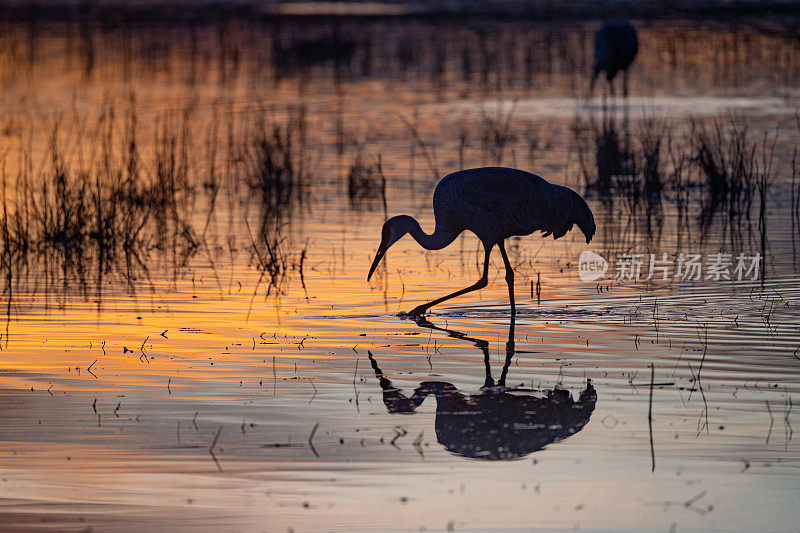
x=311 y=440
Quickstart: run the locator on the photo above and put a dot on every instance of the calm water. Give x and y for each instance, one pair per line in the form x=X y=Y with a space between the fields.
x=203 y=362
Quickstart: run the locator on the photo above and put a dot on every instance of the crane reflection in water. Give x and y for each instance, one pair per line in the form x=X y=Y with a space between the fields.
x=500 y=422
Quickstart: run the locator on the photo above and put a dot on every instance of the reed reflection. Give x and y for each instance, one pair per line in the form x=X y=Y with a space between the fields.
x=622 y=169
x=498 y=423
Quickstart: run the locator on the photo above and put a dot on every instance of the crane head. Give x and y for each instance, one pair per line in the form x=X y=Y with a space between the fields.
x=392 y=231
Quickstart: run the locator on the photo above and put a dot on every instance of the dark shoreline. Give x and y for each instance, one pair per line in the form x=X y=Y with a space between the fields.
x=118 y=12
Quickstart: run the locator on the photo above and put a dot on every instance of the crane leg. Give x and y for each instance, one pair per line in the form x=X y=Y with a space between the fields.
x=489 y=380
x=509 y=277
x=510 y=351
x=481 y=283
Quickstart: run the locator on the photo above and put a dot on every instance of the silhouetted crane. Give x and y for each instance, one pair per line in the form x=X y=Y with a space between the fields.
x=494 y=203
x=615 y=48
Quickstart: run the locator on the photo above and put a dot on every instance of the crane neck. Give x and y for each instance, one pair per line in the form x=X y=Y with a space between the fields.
x=441 y=236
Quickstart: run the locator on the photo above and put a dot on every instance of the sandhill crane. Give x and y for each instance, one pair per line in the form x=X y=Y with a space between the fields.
x=498 y=423
x=615 y=47
x=494 y=203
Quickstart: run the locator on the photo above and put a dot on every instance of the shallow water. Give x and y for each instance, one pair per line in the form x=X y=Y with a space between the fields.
x=181 y=394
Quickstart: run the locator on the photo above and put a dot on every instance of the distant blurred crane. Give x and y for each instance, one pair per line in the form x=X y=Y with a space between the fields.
x=615 y=48
x=494 y=203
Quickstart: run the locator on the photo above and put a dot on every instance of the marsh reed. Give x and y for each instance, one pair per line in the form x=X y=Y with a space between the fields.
x=103 y=207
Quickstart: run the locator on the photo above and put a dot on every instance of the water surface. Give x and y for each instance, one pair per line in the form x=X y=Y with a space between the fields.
x=210 y=368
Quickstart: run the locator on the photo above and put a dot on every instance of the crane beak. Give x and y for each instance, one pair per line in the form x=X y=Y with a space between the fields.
x=378 y=256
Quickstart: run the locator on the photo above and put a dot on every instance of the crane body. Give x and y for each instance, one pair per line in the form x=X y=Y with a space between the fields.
x=615 y=48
